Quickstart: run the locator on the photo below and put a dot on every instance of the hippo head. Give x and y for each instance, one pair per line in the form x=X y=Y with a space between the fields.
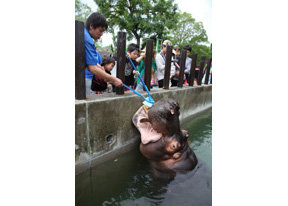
x=163 y=143
x=164 y=117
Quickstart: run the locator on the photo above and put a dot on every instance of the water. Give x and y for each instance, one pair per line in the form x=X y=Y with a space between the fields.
x=200 y=135
x=127 y=179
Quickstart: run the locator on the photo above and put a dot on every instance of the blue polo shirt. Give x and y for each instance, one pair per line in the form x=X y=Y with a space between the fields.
x=92 y=57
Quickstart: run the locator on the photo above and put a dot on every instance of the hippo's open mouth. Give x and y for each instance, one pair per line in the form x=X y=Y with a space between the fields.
x=148 y=134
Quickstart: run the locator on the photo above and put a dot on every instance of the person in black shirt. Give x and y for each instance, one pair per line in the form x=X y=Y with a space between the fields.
x=177 y=59
x=132 y=53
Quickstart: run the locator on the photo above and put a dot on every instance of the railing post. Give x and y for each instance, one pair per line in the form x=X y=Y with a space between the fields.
x=80 y=90
x=208 y=71
x=167 y=67
x=211 y=79
x=182 y=68
x=148 y=64
x=121 y=59
x=202 y=63
x=192 y=70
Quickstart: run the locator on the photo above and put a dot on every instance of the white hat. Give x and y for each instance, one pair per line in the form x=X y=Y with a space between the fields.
x=167 y=43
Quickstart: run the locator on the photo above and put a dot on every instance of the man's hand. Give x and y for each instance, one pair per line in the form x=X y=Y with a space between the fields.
x=98 y=70
x=117 y=82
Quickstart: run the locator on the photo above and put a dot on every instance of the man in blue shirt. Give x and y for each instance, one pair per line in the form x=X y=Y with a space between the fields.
x=96 y=24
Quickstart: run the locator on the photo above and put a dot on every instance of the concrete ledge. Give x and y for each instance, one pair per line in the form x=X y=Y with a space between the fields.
x=103 y=125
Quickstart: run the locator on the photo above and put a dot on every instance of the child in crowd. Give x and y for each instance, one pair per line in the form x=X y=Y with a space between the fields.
x=197 y=72
x=177 y=59
x=132 y=53
x=204 y=74
x=141 y=69
x=99 y=85
x=173 y=68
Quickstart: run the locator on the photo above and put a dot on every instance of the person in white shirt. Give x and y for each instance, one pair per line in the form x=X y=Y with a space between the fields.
x=204 y=75
x=160 y=63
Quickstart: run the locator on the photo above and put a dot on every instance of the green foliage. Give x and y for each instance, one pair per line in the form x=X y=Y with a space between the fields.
x=139 y=18
x=188 y=31
x=201 y=50
x=150 y=19
x=82 y=11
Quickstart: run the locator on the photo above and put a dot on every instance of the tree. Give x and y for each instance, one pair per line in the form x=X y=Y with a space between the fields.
x=201 y=50
x=188 y=31
x=82 y=11
x=140 y=18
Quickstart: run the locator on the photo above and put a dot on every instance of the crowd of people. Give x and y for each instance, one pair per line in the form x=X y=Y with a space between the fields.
x=98 y=76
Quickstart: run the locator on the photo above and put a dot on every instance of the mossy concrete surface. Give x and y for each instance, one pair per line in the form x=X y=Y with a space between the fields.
x=103 y=123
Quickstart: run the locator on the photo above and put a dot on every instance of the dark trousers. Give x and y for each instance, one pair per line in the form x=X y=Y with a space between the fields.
x=160 y=83
x=174 y=83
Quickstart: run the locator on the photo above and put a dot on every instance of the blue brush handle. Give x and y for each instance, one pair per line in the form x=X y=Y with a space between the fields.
x=137 y=93
x=141 y=79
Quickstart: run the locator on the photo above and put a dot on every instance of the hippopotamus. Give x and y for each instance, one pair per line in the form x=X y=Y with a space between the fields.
x=163 y=143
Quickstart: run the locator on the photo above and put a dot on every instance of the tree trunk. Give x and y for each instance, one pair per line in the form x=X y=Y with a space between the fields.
x=137 y=37
x=138 y=42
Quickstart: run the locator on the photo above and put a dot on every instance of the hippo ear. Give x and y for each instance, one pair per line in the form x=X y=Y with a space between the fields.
x=144 y=120
x=175 y=109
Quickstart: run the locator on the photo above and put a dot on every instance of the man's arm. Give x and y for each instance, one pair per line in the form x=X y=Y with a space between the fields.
x=97 y=70
x=177 y=65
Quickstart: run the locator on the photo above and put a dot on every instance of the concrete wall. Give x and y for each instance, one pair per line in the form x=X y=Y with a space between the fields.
x=103 y=125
